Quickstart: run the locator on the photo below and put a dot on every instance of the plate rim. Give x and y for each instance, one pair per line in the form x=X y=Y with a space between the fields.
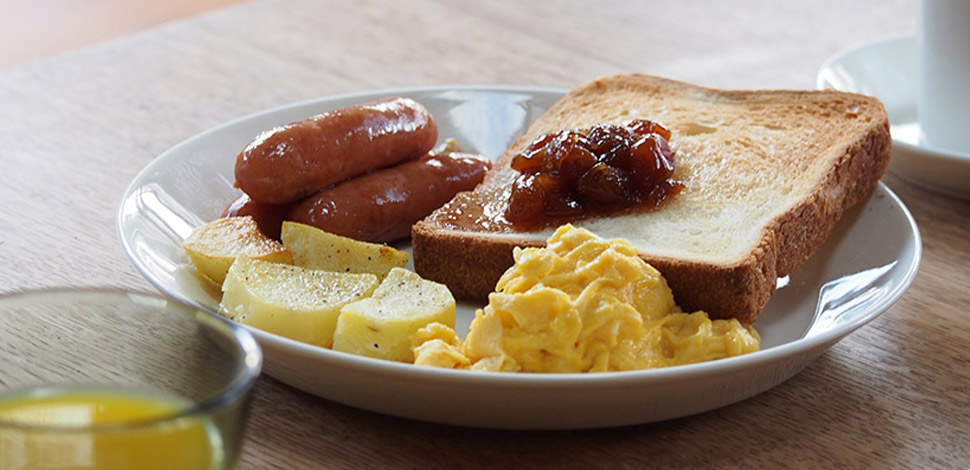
x=492 y=379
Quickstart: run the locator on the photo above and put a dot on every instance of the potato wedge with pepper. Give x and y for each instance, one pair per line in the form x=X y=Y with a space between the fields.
x=214 y=246
x=298 y=303
x=381 y=326
x=316 y=249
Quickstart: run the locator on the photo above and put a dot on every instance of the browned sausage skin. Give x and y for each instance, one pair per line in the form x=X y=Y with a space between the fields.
x=290 y=162
x=268 y=217
x=382 y=206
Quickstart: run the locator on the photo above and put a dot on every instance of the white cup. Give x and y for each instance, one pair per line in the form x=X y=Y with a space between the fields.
x=944 y=74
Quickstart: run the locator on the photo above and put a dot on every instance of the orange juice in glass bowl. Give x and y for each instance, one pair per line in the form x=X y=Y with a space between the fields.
x=112 y=380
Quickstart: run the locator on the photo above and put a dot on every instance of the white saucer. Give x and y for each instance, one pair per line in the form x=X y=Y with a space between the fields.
x=886 y=69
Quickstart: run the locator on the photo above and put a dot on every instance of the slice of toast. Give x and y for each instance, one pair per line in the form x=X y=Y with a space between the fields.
x=766 y=176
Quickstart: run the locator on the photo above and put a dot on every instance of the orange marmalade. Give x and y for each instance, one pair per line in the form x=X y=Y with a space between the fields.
x=575 y=173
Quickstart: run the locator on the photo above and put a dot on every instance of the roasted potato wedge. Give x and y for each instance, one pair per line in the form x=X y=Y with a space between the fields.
x=381 y=326
x=316 y=249
x=214 y=246
x=298 y=303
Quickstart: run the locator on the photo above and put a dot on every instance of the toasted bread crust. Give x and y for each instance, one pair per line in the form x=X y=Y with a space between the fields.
x=804 y=228
x=469 y=265
x=470 y=260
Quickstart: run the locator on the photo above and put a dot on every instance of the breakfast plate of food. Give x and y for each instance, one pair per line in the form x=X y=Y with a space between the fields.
x=757 y=236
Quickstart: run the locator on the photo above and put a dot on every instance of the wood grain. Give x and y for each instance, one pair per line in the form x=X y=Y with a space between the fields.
x=76 y=128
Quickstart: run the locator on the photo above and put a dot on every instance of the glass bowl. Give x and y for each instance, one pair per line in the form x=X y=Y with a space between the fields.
x=109 y=379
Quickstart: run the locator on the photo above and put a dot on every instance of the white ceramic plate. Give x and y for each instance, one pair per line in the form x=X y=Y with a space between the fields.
x=867 y=264
x=886 y=69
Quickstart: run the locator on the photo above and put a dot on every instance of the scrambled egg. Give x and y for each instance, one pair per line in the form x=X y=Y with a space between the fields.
x=582 y=304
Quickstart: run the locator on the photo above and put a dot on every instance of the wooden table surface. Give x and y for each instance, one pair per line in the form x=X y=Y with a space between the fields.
x=42 y=28
x=77 y=127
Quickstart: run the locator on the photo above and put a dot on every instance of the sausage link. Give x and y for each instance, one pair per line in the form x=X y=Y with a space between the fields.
x=290 y=162
x=268 y=217
x=382 y=206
